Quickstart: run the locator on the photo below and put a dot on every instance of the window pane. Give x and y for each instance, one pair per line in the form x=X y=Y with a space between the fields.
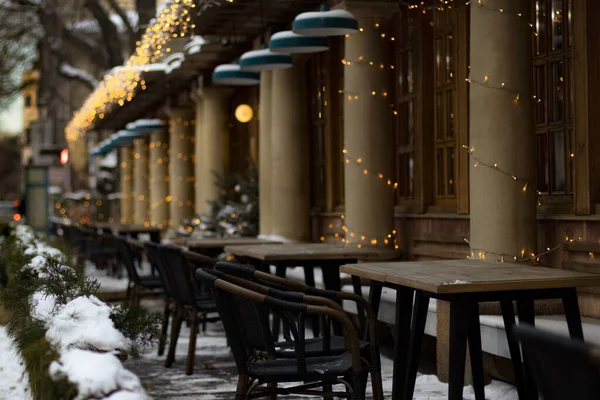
x=450 y=169
x=449 y=115
x=540 y=27
x=557 y=24
x=411 y=175
x=401 y=72
x=558 y=157
x=539 y=90
x=557 y=105
x=569 y=73
x=440 y=172
x=542 y=162
x=439 y=107
x=438 y=61
x=571 y=156
x=569 y=23
x=406 y=175
x=409 y=70
x=411 y=127
x=449 y=58
x=403 y=124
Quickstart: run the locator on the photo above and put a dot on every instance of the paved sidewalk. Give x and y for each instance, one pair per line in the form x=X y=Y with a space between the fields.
x=215 y=376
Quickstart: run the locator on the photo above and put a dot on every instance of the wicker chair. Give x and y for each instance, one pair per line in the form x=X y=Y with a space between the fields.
x=254 y=349
x=191 y=304
x=562 y=368
x=139 y=286
x=328 y=344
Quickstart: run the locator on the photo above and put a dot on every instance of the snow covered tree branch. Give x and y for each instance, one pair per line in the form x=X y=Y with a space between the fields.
x=78 y=74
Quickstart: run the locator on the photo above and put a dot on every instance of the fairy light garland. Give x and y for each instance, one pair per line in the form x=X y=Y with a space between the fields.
x=121 y=85
x=486 y=82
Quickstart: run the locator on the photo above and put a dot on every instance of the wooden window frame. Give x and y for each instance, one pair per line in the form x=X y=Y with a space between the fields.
x=457 y=23
x=545 y=129
x=331 y=162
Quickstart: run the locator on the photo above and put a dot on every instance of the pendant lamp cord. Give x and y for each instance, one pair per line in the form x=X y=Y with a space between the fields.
x=262 y=19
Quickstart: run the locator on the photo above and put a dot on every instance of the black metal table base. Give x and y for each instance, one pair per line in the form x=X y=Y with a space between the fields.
x=465 y=329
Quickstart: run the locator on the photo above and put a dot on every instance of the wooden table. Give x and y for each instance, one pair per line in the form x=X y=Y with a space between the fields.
x=466 y=283
x=212 y=247
x=328 y=257
x=128 y=229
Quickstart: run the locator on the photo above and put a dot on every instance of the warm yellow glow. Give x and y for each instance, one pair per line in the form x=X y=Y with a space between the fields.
x=244 y=113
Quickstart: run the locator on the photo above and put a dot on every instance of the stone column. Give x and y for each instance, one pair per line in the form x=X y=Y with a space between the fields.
x=201 y=205
x=289 y=159
x=126 y=159
x=141 y=201
x=264 y=150
x=502 y=146
x=159 y=178
x=503 y=209
x=215 y=140
x=181 y=167
x=369 y=215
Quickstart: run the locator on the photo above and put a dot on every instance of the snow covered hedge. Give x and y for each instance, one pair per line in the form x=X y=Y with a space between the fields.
x=72 y=343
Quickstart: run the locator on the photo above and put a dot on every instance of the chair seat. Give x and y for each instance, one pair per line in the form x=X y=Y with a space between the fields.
x=204 y=303
x=287 y=370
x=314 y=347
x=150 y=282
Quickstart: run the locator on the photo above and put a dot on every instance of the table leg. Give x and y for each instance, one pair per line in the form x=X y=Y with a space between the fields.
x=526 y=312
x=476 y=353
x=279 y=271
x=155 y=237
x=571 y=306
x=459 y=326
x=360 y=312
x=332 y=281
x=404 y=310
x=375 y=297
x=417 y=333
x=508 y=315
x=309 y=279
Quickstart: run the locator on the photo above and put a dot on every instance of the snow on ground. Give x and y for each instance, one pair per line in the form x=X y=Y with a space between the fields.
x=111 y=283
x=215 y=375
x=14 y=382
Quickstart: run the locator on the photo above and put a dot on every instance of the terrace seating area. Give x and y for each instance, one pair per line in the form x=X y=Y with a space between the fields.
x=200 y=291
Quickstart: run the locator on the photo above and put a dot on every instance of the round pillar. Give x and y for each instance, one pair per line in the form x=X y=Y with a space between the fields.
x=202 y=207
x=369 y=214
x=503 y=208
x=289 y=194
x=141 y=201
x=126 y=158
x=181 y=167
x=264 y=151
x=159 y=178
x=215 y=141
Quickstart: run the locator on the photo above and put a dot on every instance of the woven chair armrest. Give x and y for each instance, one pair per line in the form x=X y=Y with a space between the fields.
x=197 y=257
x=136 y=243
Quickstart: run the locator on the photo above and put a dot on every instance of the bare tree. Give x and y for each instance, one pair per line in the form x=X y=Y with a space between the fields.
x=59 y=33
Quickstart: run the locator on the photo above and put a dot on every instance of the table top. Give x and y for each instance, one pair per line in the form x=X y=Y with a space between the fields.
x=303 y=251
x=468 y=276
x=209 y=243
x=124 y=228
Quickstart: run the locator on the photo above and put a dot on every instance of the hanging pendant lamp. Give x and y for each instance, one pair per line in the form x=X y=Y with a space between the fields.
x=292 y=43
x=264 y=60
x=233 y=75
x=325 y=23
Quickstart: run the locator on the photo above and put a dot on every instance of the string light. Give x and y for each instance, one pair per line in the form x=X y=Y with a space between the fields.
x=122 y=84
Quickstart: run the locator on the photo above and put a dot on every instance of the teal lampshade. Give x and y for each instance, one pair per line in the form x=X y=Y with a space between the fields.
x=146 y=126
x=125 y=138
x=325 y=23
x=264 y=60
x=233 y=75
x=292 y=43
